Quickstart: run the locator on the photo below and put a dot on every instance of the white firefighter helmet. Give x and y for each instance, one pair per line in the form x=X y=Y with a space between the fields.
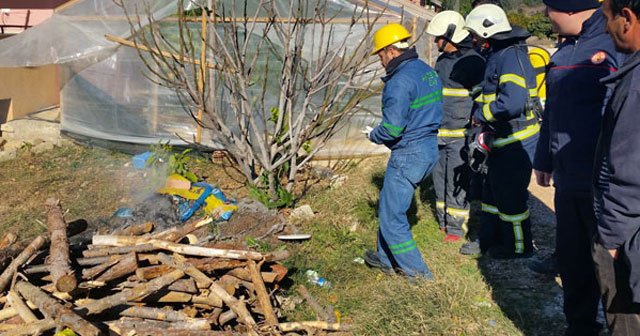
x=487 y=20
x=448 y=24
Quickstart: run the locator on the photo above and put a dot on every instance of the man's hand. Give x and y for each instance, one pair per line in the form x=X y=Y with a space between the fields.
x=367 y=130
x=542 y=178
x=613 y=253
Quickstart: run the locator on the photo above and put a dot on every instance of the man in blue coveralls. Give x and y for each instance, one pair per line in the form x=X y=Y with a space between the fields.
x=411 y=114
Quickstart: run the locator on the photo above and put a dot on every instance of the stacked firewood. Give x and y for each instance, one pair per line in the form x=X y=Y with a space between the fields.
x=139 y=282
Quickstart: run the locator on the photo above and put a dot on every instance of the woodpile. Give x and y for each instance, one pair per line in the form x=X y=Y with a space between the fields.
x=140 y=282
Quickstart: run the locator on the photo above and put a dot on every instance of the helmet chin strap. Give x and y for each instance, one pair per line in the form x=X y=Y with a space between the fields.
x=448 y=35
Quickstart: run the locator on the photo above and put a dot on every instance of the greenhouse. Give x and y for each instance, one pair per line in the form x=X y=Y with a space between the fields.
x=109 y=97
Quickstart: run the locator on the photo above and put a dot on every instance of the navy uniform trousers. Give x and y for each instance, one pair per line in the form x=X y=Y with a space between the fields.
x=451 y=179
x=575 y=230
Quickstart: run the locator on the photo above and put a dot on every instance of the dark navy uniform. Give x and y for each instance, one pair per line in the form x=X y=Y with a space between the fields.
x=575 y=100
x=459 y=72
x=509 y=83
x=617 y=201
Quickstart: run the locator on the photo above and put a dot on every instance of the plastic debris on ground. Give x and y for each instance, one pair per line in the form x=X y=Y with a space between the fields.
x=200 y=195
x=140 y=160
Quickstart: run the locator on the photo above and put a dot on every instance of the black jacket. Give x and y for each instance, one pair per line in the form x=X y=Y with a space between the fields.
x=617 y=170
x=459 y=72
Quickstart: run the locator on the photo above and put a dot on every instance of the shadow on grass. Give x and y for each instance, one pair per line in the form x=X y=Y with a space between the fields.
x=533 y=302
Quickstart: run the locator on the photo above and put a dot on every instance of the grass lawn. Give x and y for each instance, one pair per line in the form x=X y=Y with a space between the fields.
x=469 y=296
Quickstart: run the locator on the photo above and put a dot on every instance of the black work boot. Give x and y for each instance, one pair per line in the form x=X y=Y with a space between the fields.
x=471 y=248
x=371 y=258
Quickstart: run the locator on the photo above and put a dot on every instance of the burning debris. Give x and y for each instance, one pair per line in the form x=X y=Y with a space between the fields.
x=139 y=279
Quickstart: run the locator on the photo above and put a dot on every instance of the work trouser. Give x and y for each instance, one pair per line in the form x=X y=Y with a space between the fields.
x=505 y=215
x=451 y=179
x=623 y=315
x=406 y=168
x=575 y=229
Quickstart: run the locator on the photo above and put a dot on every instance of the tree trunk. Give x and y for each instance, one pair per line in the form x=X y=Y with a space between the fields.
x=62 y=315
x=30 y=250
x=62 y=275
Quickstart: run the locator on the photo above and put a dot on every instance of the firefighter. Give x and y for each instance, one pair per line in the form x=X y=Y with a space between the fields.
x=508 y=111
x=411 y=114
x=566 y=149
x=460 y=69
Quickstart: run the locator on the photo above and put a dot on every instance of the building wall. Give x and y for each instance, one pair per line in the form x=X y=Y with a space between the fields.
x=26 y=90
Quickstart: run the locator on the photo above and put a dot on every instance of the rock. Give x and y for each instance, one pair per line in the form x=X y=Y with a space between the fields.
x=42 y=147
x=7 y=155
x=338 y=180
x=302 y=212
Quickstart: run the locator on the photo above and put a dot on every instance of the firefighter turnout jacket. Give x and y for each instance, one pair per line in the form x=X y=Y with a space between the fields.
x=460 y=72
x=508 y=85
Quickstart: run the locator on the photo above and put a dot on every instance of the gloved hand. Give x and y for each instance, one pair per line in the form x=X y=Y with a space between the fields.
x=367 y=130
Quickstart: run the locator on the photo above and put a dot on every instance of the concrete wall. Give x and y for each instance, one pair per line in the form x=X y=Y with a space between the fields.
x=26 y=90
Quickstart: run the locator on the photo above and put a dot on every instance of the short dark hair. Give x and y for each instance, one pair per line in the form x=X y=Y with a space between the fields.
x=476 y=3
x=618 y=5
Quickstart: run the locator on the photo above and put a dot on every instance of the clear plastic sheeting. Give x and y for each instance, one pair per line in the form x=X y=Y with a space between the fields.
x=106 y=96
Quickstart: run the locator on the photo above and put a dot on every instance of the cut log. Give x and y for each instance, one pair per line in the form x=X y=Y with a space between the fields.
x=136 y=324
x=155 y=314
x=293 y=326
x=7 y=240
x=236 y=305
x=177 y=233
x=202 y=264
x=90 y=273
x=135 y=230
x=126 y=265
x=131 y=294
x=35 y=328
x=261 y=292
x=62 y=315
x=114 y=250
x=16 y=302
x=7 y=313
x=62 y=275
x=177 y=248
x=29 y=251
x=245 y=275
x=154 y=328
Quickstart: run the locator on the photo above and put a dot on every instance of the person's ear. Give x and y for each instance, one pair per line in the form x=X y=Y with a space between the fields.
x=629 y=17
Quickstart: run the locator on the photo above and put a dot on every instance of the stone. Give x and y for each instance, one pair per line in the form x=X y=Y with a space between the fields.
x=302 y=212
x=42 y=147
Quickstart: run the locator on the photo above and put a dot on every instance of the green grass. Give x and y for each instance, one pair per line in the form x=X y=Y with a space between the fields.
x=468 y=296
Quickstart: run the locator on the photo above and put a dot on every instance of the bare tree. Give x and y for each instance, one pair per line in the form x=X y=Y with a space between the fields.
x=274 y=81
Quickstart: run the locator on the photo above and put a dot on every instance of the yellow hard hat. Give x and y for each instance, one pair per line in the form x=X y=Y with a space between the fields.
x=388 y=35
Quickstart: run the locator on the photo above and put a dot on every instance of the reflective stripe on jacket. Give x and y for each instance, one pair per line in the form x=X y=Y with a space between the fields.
x=459 y=72
x=508 y=83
